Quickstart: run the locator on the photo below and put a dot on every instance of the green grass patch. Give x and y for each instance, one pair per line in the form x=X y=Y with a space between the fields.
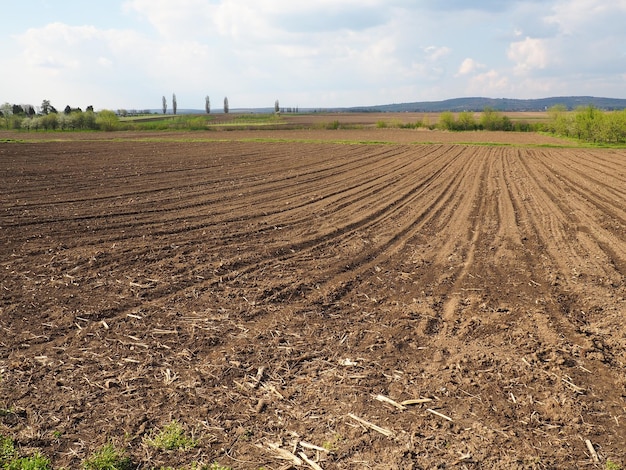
x=7 y=450
x=258 y=118
x=217 y=466
x=251 y=120
x=171 y=437
x=10 y=459
x=34 y=462
x=108 y=458
x=150 y=117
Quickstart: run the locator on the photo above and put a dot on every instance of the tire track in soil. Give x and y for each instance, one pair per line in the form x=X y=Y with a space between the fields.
x=558 y=324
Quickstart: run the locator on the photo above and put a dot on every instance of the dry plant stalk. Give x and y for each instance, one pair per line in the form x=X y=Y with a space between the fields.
x=259 y=377
x=285 y=454
x=367 y=424
x=417 y=401
x=384 y=399
x=436 y=413
x=312 y=464
x=592 y=451
x=308 y=445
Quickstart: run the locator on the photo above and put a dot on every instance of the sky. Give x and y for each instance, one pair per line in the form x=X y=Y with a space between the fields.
x=128 y=54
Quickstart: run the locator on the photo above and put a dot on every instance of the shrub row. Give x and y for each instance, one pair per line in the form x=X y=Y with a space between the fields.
x=589 y=124
x=490 y=120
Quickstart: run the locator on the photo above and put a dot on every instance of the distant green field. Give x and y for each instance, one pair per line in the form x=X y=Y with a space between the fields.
x=148 y=117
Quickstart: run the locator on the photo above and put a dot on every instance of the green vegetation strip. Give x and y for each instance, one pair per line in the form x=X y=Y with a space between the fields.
x=107 y=457
x=574 y=143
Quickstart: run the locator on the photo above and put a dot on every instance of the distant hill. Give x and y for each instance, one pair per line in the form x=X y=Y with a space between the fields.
x=499 y=104
x=455 y=105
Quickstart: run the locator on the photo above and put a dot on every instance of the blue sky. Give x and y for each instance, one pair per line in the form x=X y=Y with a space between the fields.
x=129 y=53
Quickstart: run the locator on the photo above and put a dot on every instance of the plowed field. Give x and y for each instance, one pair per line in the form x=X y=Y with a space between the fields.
x=269 y=295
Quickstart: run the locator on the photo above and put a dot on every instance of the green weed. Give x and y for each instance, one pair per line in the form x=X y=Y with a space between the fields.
x=7 y=450
x=171 y=437
x=217 y=466
x=610 y=465
x=108 y=458
x=34 y=462
x=333 y=444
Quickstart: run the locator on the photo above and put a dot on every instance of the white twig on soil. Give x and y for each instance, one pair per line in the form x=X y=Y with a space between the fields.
x=576 y=388
x=312 y=464
x=592 y=451
x=273 y=389
x=141 y=286
x=384 y=399
x=462 y=458
x=158 y=331
x=285 y=454
x=308 y=445
x=436 y=413
x=416 y=401
x=367 y=424
x=259 y=377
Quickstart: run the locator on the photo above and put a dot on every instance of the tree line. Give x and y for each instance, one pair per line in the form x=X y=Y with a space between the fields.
x=207 y=104
x=47 y=117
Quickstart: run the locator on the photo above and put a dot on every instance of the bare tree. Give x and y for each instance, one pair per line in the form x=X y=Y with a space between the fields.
x=174 y=103
x=207 y=104
x=276 y=106
x=164 y=105
x=226 y=108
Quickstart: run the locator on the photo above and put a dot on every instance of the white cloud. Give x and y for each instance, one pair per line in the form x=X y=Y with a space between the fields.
x=572 y=15
x=173 y=19
x=469 y=66
x=323 y=53
x=528 y=54
x=435 y=53
x=80 y=63
x=491 y=83
x=105 y=62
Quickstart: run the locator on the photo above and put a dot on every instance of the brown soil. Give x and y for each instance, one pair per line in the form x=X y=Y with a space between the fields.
x=263 y=294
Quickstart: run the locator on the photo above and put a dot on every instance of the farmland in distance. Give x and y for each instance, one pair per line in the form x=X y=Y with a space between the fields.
x=390 y=296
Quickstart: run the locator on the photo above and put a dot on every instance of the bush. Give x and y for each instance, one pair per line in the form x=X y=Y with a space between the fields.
x=491 y=120
x=466 y=122
x=107 y=120
x=446 y=121
x=50 y=121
